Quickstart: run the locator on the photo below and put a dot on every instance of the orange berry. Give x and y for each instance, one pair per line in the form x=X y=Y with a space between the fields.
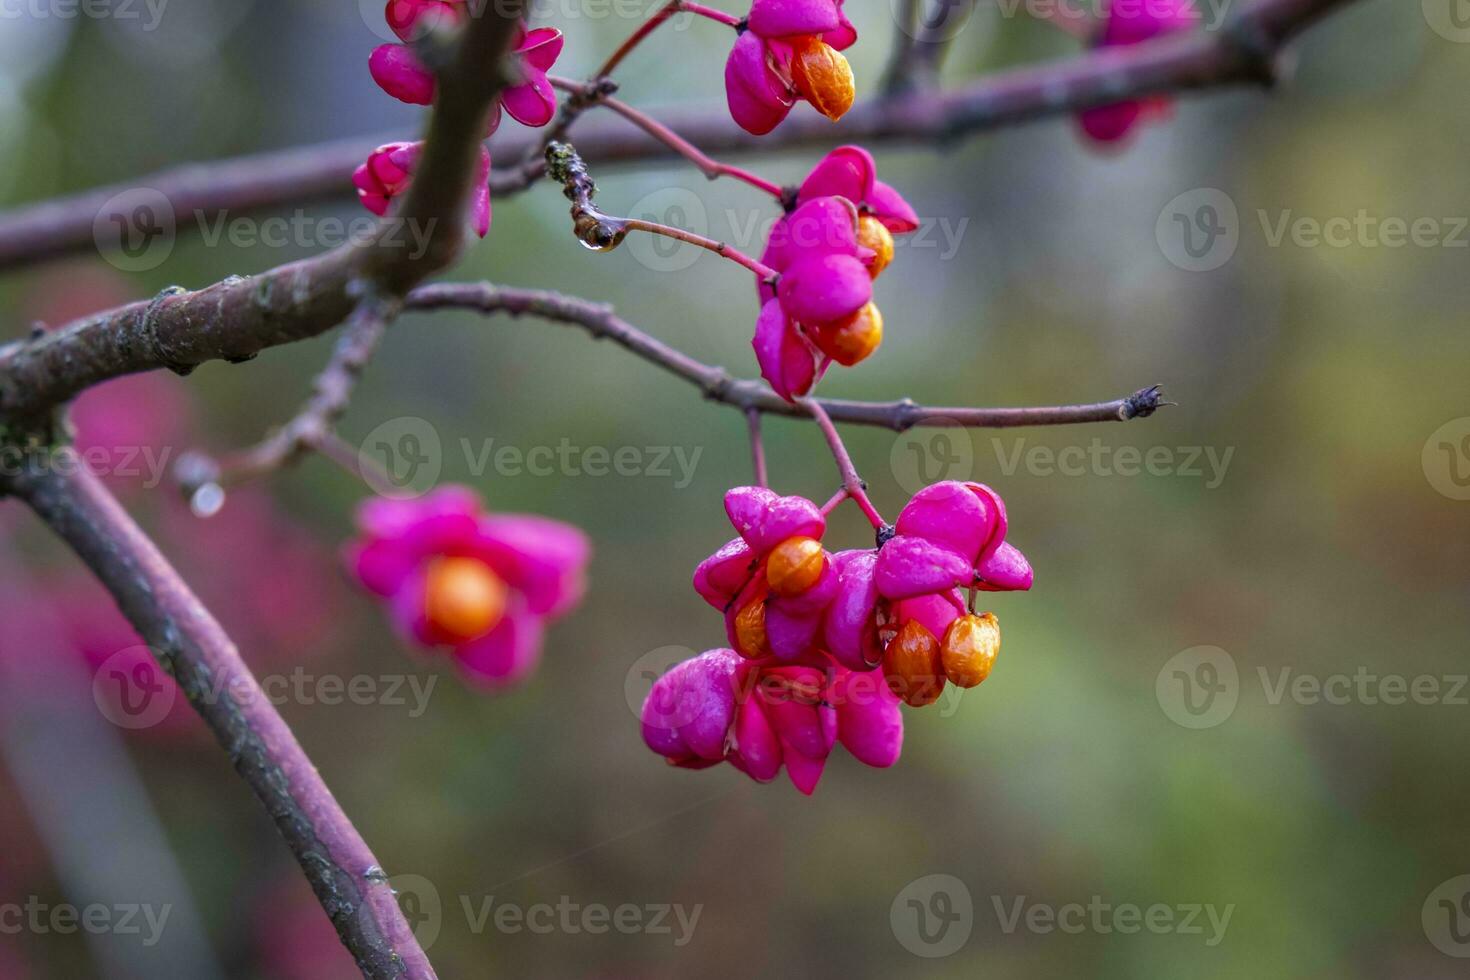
x=750 y=631
x=873 y=234
x=970 y=647
x=852 y=340
x=795 y=565
x=463 y=598
x=823 y=77
x=912 y=665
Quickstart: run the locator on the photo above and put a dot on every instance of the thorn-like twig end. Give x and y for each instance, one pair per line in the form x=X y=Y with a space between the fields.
x=1143 y=403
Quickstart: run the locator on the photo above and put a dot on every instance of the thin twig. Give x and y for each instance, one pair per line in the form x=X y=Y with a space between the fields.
x=718 y=385
x=314 y=423
x=665 y=12
x=757 y=447
x=855 y=486
x=707 y=165
x=599 y=230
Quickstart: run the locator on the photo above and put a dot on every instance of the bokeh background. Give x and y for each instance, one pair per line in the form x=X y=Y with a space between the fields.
x=1305 y=517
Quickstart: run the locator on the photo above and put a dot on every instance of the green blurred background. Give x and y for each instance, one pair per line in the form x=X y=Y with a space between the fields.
x=1330 y=539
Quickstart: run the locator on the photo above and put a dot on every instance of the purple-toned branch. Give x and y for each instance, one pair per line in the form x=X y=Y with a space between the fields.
x=657 y=20
x=716 y=383
x=1242 y=51
x=297 y=175
x=757 y=448
x=587 y=94
x=193 y=648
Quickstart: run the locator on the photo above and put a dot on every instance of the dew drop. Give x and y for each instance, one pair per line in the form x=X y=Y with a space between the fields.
x=207 y=500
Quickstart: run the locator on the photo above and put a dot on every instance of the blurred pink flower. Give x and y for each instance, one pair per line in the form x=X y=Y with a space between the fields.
x=130 y=429
x=388 y=172
x=1130 y=22
x=410 y=18
x=531 y=102
x=385 y=174
x=125 y=672
x=275 y=592
x=483 y=585
x=292 y=939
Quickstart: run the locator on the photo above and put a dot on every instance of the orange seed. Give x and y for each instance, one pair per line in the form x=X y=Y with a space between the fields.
x=823 y=77
x=463 y=598
x=795 y=565
x=853 y=340
x=970 y=647
x=912 y=665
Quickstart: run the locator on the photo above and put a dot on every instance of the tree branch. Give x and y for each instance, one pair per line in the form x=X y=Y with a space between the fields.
x=314 y=423
x=752 y=396
x=194 y=649
x=1243 y=50
x=236 y=319
x=919 y=46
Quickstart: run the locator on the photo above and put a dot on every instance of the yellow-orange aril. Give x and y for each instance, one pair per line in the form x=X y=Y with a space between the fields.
x=852 y=340
x=873 y=234
x=970 y=647
x=794 y=566
x=750 y=631
x=463 y=598
x=912 y=665
x=823 y=77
